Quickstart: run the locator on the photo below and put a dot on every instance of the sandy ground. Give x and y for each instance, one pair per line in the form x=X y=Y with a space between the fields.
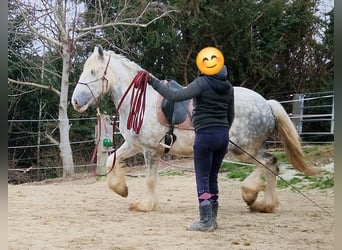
x=84 y=214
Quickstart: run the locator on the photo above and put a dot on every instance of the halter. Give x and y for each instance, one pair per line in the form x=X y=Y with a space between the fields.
x=104 y=82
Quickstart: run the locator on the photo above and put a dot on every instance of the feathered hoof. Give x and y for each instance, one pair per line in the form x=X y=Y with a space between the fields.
x=262 y=207
x=121 y=190
x=249 y=196
x=141 y=206
x=311 y=171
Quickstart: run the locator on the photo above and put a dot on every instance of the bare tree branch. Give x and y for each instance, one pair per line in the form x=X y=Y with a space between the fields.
x=143 y=25
x=51 y=139
x=50 y=87
x=34 y=30
x=58 y=14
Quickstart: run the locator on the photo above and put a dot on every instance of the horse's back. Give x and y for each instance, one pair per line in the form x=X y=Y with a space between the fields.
x=252 y=126
x=253 y=122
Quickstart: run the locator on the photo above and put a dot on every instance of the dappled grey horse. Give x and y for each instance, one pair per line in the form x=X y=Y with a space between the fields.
x=256 y=119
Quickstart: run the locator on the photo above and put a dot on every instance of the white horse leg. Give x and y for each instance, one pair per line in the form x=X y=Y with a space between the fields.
x=270 y=201
x=150 y=200
x=116 y=179
x=252 y=185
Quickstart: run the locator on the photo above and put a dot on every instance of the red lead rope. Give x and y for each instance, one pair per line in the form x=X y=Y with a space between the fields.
x=137 y=104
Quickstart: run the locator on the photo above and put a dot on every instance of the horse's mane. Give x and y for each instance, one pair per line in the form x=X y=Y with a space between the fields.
x=124 y=60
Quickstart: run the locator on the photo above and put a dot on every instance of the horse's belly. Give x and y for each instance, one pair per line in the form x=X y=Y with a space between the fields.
x=183 y=145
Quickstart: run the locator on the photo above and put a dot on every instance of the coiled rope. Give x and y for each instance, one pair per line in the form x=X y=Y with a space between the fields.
x=138 y=100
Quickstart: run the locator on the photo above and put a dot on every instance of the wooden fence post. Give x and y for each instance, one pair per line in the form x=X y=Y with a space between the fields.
x=105 y=145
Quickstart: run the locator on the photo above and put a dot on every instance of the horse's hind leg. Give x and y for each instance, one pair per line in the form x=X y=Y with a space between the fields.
x=116 y=179
x=251 y=186
x=270 y=197
x=150 y=200
x=270 y=201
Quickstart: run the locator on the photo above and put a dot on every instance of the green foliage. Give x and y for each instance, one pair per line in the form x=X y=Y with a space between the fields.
x=281 y=157
x=300 y=181
x=172 y=173
x=281 y=184
x=292 y=181
x=236 y=170
x=322 y=182
x=268 y=45
x=311 y=149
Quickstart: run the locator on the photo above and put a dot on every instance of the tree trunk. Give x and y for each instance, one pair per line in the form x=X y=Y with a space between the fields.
x=64 y=146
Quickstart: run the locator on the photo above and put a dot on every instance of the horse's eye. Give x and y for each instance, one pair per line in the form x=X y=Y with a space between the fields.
x=92 y=72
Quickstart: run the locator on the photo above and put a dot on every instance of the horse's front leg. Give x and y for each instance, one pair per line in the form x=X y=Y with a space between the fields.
x=116 y=179
x=149 y=202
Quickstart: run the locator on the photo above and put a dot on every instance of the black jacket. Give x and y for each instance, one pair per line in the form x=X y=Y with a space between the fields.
x=213 y=97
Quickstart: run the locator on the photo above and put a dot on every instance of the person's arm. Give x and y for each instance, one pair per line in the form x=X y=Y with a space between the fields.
x=192 y=90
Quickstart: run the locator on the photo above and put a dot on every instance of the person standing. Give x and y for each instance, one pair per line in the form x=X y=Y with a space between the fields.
x=212 y=117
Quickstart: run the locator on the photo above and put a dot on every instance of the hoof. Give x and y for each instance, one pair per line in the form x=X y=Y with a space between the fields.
x=249 y=196
x=143 y=207
x=262 y=208
x=120 y=190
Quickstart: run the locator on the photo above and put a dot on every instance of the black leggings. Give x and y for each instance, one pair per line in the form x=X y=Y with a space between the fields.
x=210 y=147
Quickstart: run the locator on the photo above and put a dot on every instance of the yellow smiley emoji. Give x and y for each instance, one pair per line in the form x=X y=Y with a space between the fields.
x=210 y=60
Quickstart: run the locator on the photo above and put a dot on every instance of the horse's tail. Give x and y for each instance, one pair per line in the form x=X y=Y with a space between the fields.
x=290 y=139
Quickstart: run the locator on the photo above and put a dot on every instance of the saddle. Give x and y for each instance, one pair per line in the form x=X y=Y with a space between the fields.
x=173 y=115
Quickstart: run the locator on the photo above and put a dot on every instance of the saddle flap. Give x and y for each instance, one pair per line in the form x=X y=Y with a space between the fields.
x=177 y=114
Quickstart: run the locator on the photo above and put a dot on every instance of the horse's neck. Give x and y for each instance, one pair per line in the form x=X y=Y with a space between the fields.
x=121 y=75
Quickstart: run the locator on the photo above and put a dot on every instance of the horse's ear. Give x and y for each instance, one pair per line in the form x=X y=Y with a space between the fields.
x=98 y=50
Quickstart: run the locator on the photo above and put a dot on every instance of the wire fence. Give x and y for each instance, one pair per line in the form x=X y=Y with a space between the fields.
x=313 y=116
x=32 y=159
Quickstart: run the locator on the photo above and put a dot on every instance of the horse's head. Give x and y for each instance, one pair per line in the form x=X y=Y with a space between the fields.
x=93 y=81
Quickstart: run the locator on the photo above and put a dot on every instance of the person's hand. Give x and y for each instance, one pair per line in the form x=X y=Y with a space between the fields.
x=149 y=79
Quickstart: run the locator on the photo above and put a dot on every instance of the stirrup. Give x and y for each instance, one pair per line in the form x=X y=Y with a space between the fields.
x=164 y=144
